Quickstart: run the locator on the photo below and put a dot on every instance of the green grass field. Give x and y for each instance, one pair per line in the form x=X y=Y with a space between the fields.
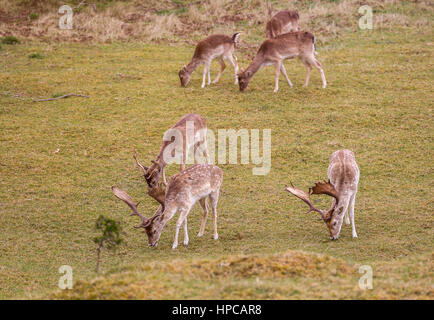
x=58 y=160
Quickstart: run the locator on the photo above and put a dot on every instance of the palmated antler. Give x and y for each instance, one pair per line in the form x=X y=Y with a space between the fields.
x=319 y=188
x=325 y=188
x=303 y=196
x=121 y=194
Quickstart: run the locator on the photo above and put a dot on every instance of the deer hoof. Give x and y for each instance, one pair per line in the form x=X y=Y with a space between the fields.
x=175 y=245
x=199 y=235
x=216 y=236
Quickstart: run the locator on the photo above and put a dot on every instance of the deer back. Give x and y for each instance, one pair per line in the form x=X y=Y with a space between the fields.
x=282 y=22
x=343 y=171
x=293 y=43
x=194 y=183
x=213 y=45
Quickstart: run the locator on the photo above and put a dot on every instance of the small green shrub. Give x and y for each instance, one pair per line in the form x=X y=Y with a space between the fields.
x=34 y=15
x=10 y=40
x=110 y=238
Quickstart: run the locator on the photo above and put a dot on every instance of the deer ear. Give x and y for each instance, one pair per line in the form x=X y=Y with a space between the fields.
x=328 y=216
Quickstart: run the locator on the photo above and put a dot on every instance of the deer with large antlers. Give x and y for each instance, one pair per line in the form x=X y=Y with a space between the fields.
x=189 y=132
x=282 y=22
x=184 y=189
x=286 y=46
x=215 y=46
x=343 y=174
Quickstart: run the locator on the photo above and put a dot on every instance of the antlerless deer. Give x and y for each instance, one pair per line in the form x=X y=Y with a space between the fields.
x=217 y=46
x=282 y=22
x=286 y=46
x=343 y=174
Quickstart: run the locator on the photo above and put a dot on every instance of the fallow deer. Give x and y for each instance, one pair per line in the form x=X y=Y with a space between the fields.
x=343 y=174
x=195 y=139
x=217 y=46
x=273 y=51
x=282 y=22
x=196 y=183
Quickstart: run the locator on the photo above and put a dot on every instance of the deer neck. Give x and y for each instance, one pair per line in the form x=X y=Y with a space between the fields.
x=255 y=65
x=160 y=156
x=194 y=63
x=158 y=194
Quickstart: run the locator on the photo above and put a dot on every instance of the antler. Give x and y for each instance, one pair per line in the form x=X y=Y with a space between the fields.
x=303 y=196
x=325 y=188
x=144 y=169
x=121 y=194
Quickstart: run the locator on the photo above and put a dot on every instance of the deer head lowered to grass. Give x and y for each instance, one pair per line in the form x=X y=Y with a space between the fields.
x=343 y=174
x=184 y=189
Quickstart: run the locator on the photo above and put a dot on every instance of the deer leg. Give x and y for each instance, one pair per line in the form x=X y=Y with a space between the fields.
x=205 y=71
x=196 y=154
x=214 y=197
x=185 y=232
x=310 y=61
x=164 y=177
x=209 y=74
x=205 y=150
x=235 y=65
x=182 y=215
x=276 y=75
x=347 y=216
x=283 y=70
x=318 y=65
x=352 y=202
x=205 y=214
x=222 y=68
x=184 y=158
x=308 y=70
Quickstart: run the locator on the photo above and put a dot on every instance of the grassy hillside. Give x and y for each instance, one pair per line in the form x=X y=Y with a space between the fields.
x=288 y=275
x=58 y=160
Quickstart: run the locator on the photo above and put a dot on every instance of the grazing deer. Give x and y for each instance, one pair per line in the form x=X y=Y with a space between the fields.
x=195 y=139
x=286 y=46
x=215 y=46
x=343 y=174
x=282 y=22
x=196 y=183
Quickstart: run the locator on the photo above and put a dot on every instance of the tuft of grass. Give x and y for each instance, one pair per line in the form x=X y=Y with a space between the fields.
x=10 y=40
x=36 y=55
x=34 y=16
